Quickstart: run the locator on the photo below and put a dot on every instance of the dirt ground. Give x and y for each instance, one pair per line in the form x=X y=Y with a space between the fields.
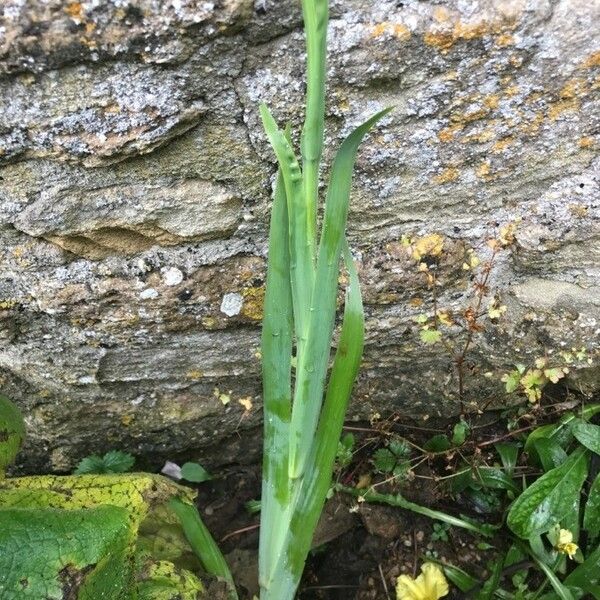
x=360 y=548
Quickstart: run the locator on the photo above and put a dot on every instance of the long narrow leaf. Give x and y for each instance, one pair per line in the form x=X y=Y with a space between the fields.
x=400 y=502
x=315 y=484
x=202 y=543
x=276 y=349
x=313 y=361
x=301 y=267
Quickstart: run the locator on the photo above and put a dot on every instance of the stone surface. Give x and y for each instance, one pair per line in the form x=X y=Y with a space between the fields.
x=135 y=183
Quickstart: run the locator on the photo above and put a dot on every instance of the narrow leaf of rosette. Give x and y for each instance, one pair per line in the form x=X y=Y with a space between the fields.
x=301 y=261
x=276 y=350
x=202 y=543
x=317 y=478
x=314 y=359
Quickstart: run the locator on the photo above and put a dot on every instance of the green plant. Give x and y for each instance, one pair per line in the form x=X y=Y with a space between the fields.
x=194 y=473
x=303 y=420
x=553 y=524
x=113 y=461
x=102 y=534
x=393 y=459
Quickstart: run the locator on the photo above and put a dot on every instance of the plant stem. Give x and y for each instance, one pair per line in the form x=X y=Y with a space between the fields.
x=316 y=17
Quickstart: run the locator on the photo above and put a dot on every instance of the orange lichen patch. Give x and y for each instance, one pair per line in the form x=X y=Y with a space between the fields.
x=516 y=60
x=483 y=169
x=126 y=420
x=491 y=101
x=448 y=133
x=593 y=60
x=402 y=32
x=469 y=117
x=447 y=175
x=441 y=14
x=387 y=298
x=586 y=142
x=511 y=91
x=557 y=109
x=502 y=145
x=398 y=30
x=194 y=374
x=471 y=31
x=254 y=298
x=481 y=137
x=579 y=210
x=74 y=10
x=378 y=30
x=429 y=245
x=534 y=125
x=573 y=88
x=445 y=33
x=505 y=39
x=90 y=27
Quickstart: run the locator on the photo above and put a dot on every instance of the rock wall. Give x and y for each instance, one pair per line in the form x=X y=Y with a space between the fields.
x=135 y=184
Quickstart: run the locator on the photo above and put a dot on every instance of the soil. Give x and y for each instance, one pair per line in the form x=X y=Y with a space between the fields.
x=360 y=548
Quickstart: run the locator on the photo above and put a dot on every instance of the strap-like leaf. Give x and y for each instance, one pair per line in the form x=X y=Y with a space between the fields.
x=301 y=266
x=314 y=359
x=277 y=333
x=314 y=485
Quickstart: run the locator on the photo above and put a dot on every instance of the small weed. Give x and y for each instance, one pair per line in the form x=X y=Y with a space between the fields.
x=114 y=461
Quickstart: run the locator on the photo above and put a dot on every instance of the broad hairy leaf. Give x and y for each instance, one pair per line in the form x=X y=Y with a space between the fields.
x=587 y=434
x=550 y=498
x=114 y=461
x=44 y=551
x=549 y=452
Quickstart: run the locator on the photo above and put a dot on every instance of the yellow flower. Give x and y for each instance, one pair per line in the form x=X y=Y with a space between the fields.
x=429 y=585
x=565 y=543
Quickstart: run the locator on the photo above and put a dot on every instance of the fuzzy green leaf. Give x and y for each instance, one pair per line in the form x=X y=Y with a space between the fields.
x=430 y=336
x=114 y=461
x=587 y=434
x=194 y=472
x=549 y=499
x=384 y=461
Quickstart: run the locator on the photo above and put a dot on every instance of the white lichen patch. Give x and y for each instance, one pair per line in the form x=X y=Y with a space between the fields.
x=231 y=304
x=148 y=294
x=172 y=276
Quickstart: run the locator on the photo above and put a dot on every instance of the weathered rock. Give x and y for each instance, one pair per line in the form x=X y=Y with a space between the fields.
x=135 y=200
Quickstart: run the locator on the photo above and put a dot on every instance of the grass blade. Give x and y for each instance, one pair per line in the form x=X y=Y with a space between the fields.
x=301 y=266
x=276 y=347
x=202 y=543
x=314 y=359
x=400 y=502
